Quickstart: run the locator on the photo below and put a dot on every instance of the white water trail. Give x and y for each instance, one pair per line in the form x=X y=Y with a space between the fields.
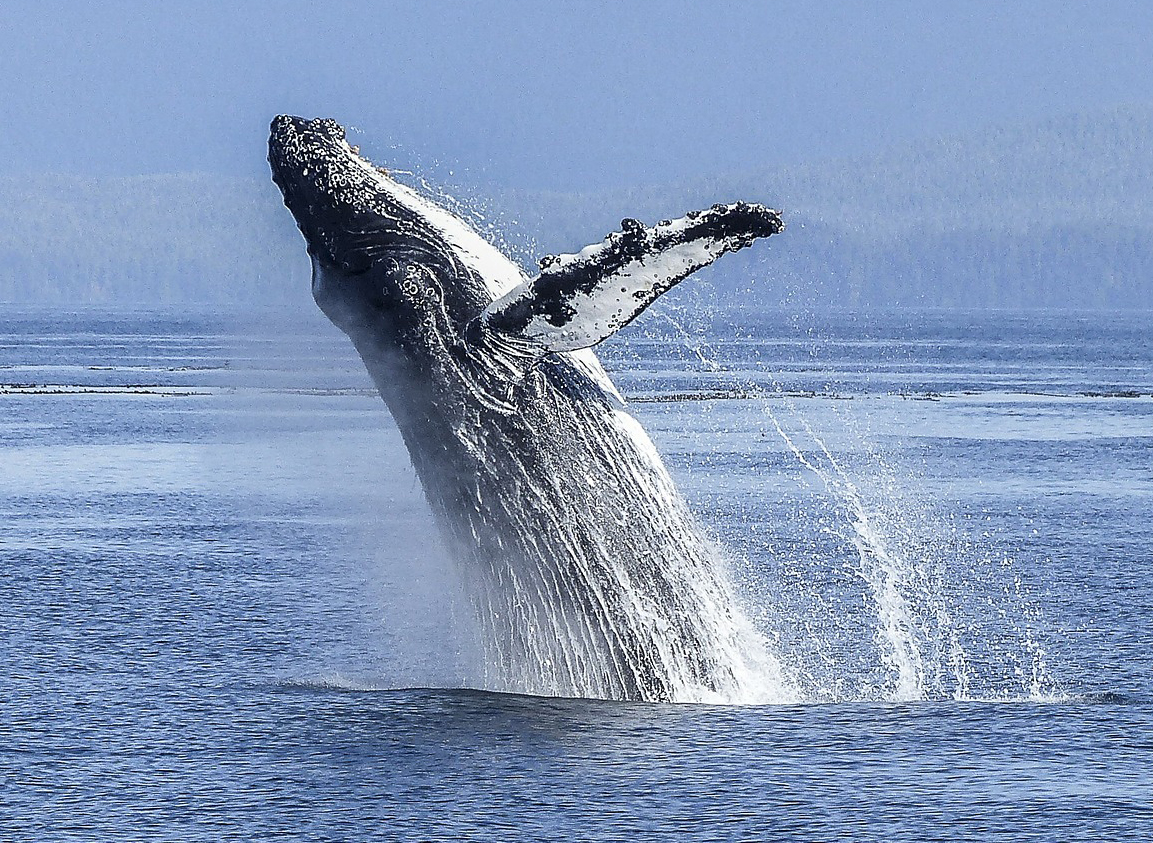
x=885 y=570
x=901 y=556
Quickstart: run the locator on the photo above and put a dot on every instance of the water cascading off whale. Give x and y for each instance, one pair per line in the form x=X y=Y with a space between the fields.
x=587 y=574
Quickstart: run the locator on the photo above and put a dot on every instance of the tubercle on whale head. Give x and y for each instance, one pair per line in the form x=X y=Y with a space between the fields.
x=330 y=191
x=371 y=239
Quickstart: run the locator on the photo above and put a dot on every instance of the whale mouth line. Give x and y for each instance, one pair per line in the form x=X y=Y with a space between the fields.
x=340 y=200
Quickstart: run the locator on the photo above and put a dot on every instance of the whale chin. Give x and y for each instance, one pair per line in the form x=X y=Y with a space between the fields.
x=301 y=153
x=295 y=143
x=330 y=191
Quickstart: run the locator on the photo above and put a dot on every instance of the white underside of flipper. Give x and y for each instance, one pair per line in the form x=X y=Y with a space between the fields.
x=579 y=300
x=619 y=297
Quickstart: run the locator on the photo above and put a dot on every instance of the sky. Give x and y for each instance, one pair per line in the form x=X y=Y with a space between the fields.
x=548 y=95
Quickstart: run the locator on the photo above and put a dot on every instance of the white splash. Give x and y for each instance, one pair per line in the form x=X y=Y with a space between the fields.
x=930 y=639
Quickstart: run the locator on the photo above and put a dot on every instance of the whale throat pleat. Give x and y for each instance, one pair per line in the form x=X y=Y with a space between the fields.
x=585 y=568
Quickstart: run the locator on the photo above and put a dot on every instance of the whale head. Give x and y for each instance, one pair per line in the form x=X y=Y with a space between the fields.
x=330 y=194
x=416 y=286
x=380 y=251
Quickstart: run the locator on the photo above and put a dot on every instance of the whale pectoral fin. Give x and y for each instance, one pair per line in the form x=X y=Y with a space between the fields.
x=579 y=300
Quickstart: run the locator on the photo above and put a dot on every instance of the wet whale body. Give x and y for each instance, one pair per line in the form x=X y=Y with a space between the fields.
x=587 y=573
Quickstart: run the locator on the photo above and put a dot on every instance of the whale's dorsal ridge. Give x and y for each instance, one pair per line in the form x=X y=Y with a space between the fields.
x=578 y=300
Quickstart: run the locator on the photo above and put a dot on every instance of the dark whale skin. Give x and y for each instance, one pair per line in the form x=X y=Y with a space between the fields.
x=588 y=574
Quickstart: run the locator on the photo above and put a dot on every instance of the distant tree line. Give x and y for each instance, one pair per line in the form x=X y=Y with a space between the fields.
x=164 y=239
x=1058 y=214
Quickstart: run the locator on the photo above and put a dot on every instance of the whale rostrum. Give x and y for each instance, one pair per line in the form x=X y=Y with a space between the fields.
x=586 y=570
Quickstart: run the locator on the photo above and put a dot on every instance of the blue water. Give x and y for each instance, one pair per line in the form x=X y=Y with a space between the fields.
x=227 y=616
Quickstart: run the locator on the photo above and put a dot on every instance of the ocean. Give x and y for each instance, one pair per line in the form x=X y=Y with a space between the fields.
x=227 y=613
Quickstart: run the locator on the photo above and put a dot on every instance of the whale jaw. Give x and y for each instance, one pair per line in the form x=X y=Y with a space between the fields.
x=334 y=195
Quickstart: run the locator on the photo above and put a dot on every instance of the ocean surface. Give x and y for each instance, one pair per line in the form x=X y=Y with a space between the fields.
x=227 y=615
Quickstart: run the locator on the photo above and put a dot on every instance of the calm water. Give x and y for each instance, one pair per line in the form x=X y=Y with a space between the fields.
x=226 y=614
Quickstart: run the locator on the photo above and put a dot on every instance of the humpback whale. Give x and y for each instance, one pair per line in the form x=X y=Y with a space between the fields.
x=587 y=571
